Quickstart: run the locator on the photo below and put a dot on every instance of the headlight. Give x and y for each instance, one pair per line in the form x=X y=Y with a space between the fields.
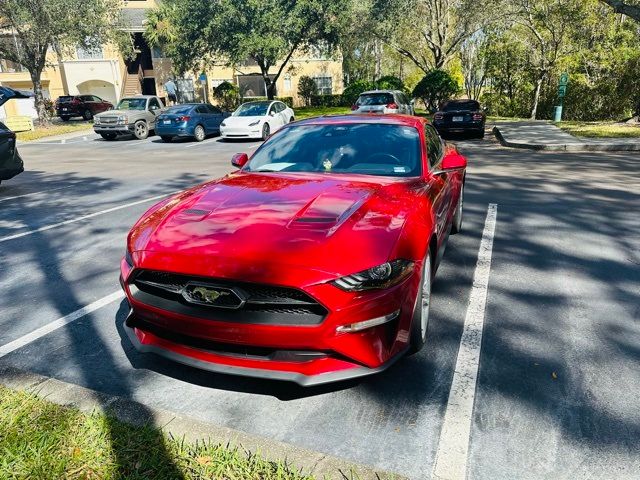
x=378 y=277
x=254 y=123
x=96 y=120
x=128 y=258
x=123 y=120
x=223 y=124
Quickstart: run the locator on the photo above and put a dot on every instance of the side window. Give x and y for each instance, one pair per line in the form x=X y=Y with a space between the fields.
x=434 y=146
x=85 y=98
x=272 y=109
x=96 y=99
x=154 y=104
x=214 y=110
x=201 y=109
x=283 y=107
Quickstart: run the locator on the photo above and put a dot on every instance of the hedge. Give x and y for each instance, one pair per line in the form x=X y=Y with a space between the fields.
x=287 y=100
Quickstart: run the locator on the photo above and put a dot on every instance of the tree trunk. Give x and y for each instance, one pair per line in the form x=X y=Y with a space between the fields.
x=43 y=115
x=536 y=98
x=270 y=86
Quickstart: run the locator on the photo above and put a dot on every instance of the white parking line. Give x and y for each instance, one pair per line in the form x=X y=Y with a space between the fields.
x=34 y=193
x=84 y=217
x=453 y=447
x=61 y=322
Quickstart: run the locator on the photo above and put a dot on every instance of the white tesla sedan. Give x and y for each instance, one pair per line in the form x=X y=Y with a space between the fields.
x=256 y=120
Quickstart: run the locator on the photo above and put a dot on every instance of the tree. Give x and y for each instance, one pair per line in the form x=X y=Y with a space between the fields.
x=267 y=32
x=473 y=61
x=432 y=31
x=626 y=8
x=434 y=88
x=227 y=95
x=307 y=88
x=41 y=26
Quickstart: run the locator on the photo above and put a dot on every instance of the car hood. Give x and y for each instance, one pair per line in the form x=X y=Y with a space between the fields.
x=7 y=94
x=114 y=112
x=266 y=223
x=240 y=121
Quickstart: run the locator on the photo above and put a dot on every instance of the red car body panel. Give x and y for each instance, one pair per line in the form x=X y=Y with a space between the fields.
x=297 y=231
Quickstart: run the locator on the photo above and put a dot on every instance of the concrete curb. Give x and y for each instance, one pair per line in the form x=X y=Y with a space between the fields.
x=179 y=426
x=569 y=147
x=57 y=138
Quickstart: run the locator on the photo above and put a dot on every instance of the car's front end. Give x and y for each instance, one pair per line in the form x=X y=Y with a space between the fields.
x=114 y=122
x=241 y=127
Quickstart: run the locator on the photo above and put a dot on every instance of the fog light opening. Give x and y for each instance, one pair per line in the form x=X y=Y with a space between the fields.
x=373 y=322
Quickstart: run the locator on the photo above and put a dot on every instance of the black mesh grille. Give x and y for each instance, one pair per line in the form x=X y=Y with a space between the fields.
x=262 y=303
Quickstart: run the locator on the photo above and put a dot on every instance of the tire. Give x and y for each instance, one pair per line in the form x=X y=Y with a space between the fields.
x=420 y=320
x=140 y=130
x=166 y=138
x=266 y=131
x=65 y=118
x=292 y=120
x=456 y=227
x=199 y=134
x=481 y=134
x=108 y=136
x=87 y=115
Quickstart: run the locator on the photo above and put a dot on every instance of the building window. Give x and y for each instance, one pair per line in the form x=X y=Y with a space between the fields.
x=287 y=83
x=156 y=52
x=324 y=85
x=89 y=53
x=253 y=86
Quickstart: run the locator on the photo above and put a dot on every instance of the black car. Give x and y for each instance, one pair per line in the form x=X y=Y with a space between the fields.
x=85 y=106
x=460 y=116
x=10 y=161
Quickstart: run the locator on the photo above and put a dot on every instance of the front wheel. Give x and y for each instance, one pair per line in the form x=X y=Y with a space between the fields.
x=140 y=130
x=266 y=131
x=292 y=120
x=420 y=320
x=457 y=217
x=199 y=133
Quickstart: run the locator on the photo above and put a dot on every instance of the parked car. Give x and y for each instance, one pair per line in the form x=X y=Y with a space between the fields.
x=460 y=116
x=383 y=101
x=85 y=106
x=313 y=262
x=11 y=163
x=133 y=116
x=193 y=120
x=256 y=120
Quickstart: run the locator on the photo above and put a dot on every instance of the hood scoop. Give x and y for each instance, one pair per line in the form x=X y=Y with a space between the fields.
x=194 y=214
x=329 y=210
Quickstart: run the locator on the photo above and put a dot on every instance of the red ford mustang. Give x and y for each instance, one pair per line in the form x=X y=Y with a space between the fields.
x=312 y=262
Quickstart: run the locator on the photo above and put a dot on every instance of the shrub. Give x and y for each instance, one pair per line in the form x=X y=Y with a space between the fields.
x=287 y=100
x=329 y=101
x=389 y=82
x=307 y=89
x=227 y=96
x=434 y=88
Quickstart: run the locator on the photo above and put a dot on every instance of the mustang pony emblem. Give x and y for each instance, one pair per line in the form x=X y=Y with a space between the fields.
x=206 y=295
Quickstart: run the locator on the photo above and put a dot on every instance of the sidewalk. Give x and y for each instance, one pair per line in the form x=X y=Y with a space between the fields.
x=543 y=135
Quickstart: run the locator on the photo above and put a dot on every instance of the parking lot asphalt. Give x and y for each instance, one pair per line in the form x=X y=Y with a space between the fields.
x=556 y=394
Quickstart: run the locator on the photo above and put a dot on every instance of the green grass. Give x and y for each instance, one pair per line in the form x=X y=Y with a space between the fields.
x=41 y=440
x=53 y=129
x=600 y=129
x=308 y=112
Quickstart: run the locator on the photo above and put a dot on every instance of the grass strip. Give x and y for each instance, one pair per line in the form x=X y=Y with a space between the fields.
x=39 y=439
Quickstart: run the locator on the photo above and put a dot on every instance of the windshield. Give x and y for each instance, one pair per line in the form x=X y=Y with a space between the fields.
x=252 y=109
x=361 y=148
x=132 y=104
x=180 y=110
x=375 y=99
x=468 y=105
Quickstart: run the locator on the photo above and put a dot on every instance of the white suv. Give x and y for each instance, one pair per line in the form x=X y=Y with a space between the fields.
x=383 y=101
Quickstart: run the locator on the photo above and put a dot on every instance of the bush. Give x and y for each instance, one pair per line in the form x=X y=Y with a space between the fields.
x=329 y=101
x=389 y=82
x=307 y=89
x=353 y=90
x=227 y=96
x=286 y=100
x=434 y=88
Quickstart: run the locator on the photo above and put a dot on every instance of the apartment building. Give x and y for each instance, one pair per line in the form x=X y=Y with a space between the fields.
x=103 y=72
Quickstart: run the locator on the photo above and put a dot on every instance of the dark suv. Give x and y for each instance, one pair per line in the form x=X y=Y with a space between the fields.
x=85 y=106
x=460 y=116
x=10 y=161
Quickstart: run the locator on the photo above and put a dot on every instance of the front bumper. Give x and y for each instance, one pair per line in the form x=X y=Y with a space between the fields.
x=235 y=132
x=305 y=354
x=117 y=129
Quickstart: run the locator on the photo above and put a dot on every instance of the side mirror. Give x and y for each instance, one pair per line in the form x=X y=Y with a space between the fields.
x=452 y=161
x=239 y=160
x=272 y=114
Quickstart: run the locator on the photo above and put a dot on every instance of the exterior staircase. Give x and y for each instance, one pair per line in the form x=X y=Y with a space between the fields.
x=131 y=85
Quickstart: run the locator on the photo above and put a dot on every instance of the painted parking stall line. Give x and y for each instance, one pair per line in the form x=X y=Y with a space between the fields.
x=84 y=217
x=61 y=322
x=15 y=197
x=453 y=447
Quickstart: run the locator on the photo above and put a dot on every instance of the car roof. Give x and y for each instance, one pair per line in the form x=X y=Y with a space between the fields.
x=379 y=91
x=392 y=119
